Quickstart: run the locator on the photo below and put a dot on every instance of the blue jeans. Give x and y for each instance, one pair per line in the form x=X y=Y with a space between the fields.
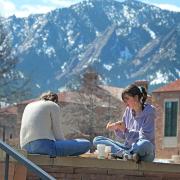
x=52 y=148
x=144 y=148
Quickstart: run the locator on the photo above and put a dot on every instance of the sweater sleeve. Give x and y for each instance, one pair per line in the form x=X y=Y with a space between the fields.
x=146 y=130
x=118 y=133
x=131 y=136
x=56 y=123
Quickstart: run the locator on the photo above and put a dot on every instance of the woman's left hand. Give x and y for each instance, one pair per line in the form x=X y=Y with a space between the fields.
x=120 y=125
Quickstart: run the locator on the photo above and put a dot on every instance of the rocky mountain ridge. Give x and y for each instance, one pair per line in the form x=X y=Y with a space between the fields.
x=122 y=41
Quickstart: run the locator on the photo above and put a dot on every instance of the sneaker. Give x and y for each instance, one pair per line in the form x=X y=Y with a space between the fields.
x=116 y=156
x=134 y=157
x=127 y=157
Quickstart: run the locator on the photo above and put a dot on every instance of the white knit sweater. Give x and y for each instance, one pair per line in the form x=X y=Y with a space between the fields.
x=41 y=120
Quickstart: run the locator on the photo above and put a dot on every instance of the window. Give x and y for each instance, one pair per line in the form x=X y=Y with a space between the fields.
x=171 y=111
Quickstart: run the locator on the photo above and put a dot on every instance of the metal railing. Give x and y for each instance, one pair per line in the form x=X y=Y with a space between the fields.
x=20 y=158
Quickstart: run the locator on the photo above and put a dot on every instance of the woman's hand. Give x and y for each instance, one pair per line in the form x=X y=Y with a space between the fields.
x=119 y=125
x=110 y=126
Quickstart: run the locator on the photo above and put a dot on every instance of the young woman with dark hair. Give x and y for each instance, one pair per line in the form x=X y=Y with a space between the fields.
x=136 y=127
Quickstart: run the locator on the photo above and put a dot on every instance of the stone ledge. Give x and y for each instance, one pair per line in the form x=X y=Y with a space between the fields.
x=159 y=167
x=111 y=165
x=84 y=168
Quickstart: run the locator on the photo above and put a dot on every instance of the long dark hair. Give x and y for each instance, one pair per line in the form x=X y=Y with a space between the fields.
x=134 y=90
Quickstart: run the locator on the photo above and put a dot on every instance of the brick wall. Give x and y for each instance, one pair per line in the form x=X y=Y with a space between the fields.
x=158 y=101
x=80 y=168
x=16 y=171
x=9 y=121
x=77 y=168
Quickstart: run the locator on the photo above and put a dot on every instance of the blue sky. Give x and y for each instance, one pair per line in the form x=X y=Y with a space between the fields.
x=22 y=8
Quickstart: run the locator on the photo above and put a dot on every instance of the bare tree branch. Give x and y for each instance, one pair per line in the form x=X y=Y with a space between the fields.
x=13 y=87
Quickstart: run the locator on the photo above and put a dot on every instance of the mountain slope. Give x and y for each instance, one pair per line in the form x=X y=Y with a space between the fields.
x=123 y=41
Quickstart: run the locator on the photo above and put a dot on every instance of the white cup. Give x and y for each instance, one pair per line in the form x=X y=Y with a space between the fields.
x=108 y=149
x=108 y=152
x=101 y=151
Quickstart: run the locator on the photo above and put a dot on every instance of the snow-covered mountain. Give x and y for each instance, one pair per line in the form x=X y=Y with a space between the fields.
x=123 y=41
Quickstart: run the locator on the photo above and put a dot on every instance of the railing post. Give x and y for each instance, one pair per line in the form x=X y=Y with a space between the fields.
x=30 y=165
x=4 y=134
x=6 y=170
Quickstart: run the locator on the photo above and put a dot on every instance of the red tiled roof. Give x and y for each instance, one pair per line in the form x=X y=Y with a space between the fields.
x=75 y=97
x=173 y=86
x=114 y=91
x=9 y=110
x=28 y=101
x=68 y=96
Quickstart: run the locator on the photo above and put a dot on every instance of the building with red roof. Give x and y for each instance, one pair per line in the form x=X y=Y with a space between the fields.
x=167 y=101
x=171 y=87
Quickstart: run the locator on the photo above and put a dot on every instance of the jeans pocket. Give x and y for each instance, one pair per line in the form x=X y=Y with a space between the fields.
x=41 y=146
